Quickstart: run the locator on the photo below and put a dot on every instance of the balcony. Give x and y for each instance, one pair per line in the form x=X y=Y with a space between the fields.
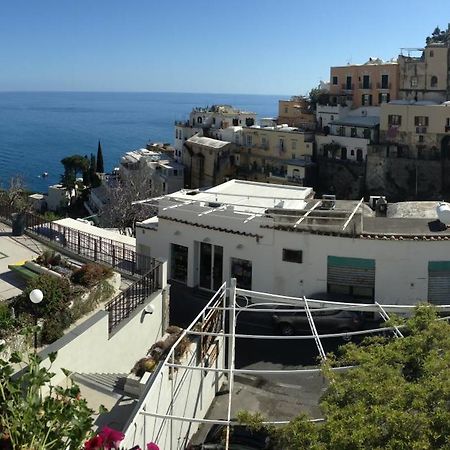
x=421 y=130
x=383 y=85
x=365 y=85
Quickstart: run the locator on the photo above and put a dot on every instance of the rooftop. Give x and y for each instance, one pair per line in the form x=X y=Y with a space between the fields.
x=358 y=121
x=207 y=142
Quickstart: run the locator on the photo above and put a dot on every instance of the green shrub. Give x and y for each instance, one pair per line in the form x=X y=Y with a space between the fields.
x=90 y=274
x=7 y=322
x=52 y=330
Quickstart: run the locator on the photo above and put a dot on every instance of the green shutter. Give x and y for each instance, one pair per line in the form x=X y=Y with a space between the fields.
x=357 y=263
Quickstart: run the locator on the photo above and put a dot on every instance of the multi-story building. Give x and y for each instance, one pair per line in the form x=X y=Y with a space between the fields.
x=156 y=169
x=278 y=154
x=279 y=239
x=348 y=138
x=369 y=84
x=424 y=73
x=296 y=112
x=203 y=120
x=207 y=161
x=419 y=129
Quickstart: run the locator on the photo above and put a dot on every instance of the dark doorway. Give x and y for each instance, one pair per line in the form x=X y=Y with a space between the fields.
x=445 y=147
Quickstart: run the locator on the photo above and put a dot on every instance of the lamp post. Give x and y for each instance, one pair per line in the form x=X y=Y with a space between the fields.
x=36 y=297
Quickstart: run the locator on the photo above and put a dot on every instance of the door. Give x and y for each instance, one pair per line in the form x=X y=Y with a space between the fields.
x=439 y=282
x=210 y=266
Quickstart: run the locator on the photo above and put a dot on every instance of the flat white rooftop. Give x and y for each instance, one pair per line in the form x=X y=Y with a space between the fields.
x=249 y=195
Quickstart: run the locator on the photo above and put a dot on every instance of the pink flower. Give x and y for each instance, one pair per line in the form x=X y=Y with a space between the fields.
x=111 y=438
x=152 y=446
x=94 y=443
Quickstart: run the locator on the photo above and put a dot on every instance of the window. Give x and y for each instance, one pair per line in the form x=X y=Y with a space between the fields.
x=366 y=133
x=294 y=145
x=348 y=83
x=341 y=131
x=214 y=121
x=421 y=121
x=331 y=117
x=249 y=121
x=448 y=122
x=352 y=152
x=175 y=172
x=366 y=99
x=353 y=132
x=294 y=256
x=384 y=81
x=235 y=122
x=199 y=120
x=286 y=109
x=394 y=119
x=434 y=81
x=420 y=138
x=249 y=140
x=335 y=80
x=366 y=82
x=293 y=157
x=431 y=53
x=414 y=82
x=343 y=153
x=281 y=144
x=264 y=141
x=384 y=97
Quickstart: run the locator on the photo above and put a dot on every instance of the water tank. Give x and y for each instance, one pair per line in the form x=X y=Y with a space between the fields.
x=443 y=213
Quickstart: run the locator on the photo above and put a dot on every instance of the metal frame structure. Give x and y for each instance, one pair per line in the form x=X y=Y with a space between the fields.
x=228 y=300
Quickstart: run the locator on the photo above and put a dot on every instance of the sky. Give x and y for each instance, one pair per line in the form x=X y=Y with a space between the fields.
x=232 y=46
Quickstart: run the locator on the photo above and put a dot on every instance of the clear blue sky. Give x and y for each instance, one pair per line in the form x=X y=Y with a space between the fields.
x=245 y=46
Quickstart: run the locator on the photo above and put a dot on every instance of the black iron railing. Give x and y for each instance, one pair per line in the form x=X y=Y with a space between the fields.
x=120 y=307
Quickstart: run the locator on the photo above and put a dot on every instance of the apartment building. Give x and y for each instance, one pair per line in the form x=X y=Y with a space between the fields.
x=424 y=73
x=370 y=84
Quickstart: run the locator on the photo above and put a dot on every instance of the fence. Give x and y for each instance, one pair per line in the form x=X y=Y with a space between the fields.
x=120 y=256
x=120 y=307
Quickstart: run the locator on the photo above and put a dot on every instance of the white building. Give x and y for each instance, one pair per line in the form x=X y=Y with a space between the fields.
x=277 y=239
x=213 y=118
x=164 y=175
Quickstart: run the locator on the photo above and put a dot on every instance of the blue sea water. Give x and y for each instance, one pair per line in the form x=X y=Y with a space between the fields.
x=38 y=129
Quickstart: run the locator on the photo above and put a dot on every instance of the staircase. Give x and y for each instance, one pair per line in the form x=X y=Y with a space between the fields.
x=104 y=382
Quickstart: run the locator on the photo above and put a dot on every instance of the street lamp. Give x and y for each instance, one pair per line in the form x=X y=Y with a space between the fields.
x=36 y=297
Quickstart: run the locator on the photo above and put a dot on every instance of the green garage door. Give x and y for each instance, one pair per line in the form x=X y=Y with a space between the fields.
x=439 y=282
x=351 y=276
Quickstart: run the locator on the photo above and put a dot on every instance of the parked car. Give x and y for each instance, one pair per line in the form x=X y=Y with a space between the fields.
x=241 y=438
x=337 y=321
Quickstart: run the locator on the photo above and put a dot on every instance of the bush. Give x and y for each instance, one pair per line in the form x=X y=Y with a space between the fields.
x=52 y=330
x=49 y=258
x=90 y=274
x=7 y=322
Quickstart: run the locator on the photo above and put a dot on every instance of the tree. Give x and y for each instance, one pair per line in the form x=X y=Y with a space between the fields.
x=396 y=397
x=121 y=211
x=318 y=96
x=15 y=194
x=100 y=164
x=73 y=166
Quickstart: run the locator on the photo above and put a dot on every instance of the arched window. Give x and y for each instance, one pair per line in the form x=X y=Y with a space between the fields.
x=434 y=81
x=199 y=119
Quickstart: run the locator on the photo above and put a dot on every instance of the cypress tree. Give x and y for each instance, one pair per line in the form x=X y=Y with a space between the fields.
x=100 y=165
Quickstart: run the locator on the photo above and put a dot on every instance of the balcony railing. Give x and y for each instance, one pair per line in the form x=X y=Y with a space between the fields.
x=347 y=87
x=383 y=85
x=421 y=130
x=365 y=85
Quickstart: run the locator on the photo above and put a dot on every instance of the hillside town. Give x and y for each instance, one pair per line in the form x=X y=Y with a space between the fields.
x=326 y=224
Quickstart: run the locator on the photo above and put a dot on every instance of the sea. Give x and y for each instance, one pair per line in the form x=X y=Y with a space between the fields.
x=38 y=129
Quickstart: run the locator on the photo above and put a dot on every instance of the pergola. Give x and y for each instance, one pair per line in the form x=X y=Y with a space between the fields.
x=223 y=311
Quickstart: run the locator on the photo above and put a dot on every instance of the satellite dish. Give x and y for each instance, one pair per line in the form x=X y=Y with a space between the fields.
x=443 y=213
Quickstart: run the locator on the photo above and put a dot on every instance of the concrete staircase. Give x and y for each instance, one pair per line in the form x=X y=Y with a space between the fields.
x=109 y=383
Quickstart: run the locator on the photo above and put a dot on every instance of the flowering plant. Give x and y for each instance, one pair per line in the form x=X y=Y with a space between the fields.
x=109 y=438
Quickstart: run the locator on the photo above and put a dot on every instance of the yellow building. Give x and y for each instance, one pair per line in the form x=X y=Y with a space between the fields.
x=296 y=113
x=424 y=72
x=420 y=129
x=369 y=84
x=278 y=154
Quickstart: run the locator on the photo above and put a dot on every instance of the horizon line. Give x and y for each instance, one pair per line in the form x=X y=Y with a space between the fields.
x=43 y=91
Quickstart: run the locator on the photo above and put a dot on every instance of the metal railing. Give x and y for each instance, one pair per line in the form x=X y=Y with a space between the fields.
x=121 y=306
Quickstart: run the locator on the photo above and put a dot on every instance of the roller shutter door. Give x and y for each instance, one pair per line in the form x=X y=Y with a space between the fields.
x=352 y=272
x=439 y=282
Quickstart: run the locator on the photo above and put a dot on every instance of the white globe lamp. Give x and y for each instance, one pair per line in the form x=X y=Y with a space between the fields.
x=36 y=296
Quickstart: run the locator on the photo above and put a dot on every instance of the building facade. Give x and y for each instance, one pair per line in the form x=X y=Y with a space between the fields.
x=370 y=84
x=296 y=112
x=278 y=239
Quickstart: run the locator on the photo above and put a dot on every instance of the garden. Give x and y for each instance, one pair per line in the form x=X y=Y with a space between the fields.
x=69 y=293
